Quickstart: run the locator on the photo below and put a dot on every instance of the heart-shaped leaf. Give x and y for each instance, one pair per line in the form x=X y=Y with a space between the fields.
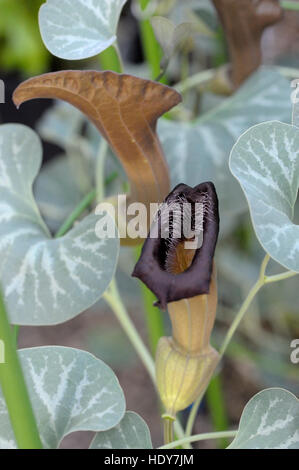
x=199 y=151
x=270 y=420
x=164 y=31
x=45 y=280
x=78 y=29
x=60 y=123
x=131 y=433
x=70 y=391
x=265 y=160
x=173 y=38
x=56 y=192
x=63 y=182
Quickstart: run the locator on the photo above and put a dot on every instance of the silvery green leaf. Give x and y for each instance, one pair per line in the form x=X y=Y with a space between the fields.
x=199 y=151
x=265 y=161
x=164 y=31
x=78 y=29
x=237 y=266
x=205 y=8
x=70 y=391
x=131 y=433
x=270 y=420
x=45 y=280
x=82 y=163
x=173 y=38
x=60 y=123
x=56 y=192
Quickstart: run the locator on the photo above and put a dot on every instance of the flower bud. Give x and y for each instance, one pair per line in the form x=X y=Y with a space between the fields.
x=182 y=377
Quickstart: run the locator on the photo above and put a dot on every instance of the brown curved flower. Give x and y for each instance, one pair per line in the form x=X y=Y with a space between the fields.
x=244 y=22
x=125 y=110
x=172 y=271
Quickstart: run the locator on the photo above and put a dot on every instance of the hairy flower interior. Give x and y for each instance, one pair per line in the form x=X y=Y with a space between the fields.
x=183 y=213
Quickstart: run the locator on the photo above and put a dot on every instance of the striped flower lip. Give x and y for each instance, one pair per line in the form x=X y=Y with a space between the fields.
x=171 y=271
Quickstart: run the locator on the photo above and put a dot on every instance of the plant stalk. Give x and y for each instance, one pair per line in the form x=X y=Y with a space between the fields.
x=217 y=409
x=151 y=48
x=114 y=300
x=153 y=316
x=82 y=206
x=15 y=391
x=168 y=430
x=200 y=437
x=195 y=80
x=110 y=59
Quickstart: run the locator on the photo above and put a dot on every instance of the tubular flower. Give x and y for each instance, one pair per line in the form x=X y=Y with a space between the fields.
x=125 y=110
x=177 y=264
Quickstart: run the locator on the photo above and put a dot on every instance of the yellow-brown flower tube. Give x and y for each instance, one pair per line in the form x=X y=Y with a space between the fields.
x=186 y=361
x=184 y=280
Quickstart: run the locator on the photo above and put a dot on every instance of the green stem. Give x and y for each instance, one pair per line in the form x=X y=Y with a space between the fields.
x=153 y=316
x=121 y=67
x=110 y=59
x=195 y=80
x=280 y=277
x=246 y=304
x=193 y=414
x=200 y=437
x=168 y=430
x=216 y=404
x=15 y=391
x=15 y=334
x=114 y=300
x=82 y=206
x=288 y=72
x=289 y=5
x=151 y=48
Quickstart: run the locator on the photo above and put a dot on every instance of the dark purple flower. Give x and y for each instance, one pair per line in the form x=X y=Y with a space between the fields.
x=171 y=271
